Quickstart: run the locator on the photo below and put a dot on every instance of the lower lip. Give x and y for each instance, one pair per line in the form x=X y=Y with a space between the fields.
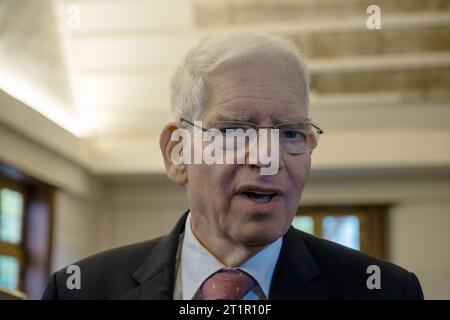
x=260 y=205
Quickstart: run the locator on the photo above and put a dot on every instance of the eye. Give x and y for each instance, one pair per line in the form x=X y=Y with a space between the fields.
x=293 y=135
x=224 y=130
x=232 y=128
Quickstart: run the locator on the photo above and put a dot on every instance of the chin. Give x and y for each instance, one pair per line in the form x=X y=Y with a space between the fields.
x=258 y=241
x=259 y=236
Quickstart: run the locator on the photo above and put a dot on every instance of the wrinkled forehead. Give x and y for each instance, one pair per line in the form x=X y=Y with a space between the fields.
x=255 y=91
x=263 y=68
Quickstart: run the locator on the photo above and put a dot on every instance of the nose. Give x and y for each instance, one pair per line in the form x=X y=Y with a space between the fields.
x=264 y=151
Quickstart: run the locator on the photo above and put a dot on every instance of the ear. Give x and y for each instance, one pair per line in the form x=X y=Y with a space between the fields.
x=176 y=171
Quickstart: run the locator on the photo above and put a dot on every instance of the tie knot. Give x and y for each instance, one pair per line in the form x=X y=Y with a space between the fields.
x=228 y=284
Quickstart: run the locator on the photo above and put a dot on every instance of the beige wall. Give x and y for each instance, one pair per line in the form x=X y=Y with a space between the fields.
x=75 y=229
x=140 y=208
x=420 y=241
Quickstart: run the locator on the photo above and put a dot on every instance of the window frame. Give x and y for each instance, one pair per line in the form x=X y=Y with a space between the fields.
x=35 y=259
x=372 y=224
x=18 y=250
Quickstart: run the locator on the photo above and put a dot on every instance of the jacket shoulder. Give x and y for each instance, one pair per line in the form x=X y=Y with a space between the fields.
x=349 y=273
x=105 y=275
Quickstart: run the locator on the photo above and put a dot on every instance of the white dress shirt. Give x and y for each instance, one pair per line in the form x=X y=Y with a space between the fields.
x=195 y=264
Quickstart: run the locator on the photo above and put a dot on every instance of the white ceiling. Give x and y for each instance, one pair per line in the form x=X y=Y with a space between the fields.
x=121 y=58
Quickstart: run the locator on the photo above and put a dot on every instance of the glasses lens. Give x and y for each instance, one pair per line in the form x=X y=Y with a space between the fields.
x=294 y=138
x=236 y=134
x=298 y=138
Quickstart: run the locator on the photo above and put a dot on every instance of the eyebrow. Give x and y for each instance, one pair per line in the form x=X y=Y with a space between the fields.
x=233 y=117
x=252 y=119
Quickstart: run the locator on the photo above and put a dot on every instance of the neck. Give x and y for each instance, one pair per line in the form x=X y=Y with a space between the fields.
x=229 y=252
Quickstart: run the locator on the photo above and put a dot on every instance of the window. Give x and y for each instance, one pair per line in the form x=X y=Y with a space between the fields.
x=25 y=232
x=11 y=214
x=9 y=272
x=342 y=229
x=305 y=223
x=11 y=235
x=359 y=227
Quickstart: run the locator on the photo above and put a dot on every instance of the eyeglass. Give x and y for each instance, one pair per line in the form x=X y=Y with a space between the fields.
x=294 y=137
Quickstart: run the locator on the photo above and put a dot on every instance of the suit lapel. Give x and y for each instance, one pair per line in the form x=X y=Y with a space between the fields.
x=296 y=275
x=156 y=275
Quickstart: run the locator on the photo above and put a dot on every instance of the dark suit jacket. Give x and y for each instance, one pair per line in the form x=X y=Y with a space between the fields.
x=307 y=268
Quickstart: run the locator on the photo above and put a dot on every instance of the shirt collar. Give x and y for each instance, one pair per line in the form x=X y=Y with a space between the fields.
x=198 y=263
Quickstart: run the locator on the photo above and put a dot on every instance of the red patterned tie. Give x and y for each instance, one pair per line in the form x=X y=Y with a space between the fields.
x=228 y=284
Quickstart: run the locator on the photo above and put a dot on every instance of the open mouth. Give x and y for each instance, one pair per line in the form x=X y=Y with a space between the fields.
x=259 y=196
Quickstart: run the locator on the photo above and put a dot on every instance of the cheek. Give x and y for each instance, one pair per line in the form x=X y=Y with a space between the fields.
x=298 y=173
x=301 y=177
x=201 y=181
x=212 y=183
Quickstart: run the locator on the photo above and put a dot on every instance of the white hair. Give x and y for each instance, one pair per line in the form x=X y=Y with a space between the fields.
x=187 y=86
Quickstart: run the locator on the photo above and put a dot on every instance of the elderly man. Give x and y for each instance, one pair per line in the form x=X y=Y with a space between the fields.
x=236 y=239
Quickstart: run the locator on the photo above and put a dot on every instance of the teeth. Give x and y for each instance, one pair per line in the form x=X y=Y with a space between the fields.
x=263 y=192
x=263 y=199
